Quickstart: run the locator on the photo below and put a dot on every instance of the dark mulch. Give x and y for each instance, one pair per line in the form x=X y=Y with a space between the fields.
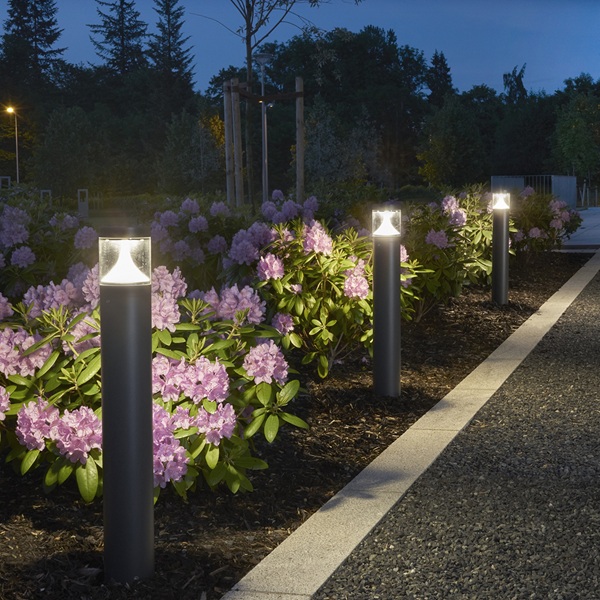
x=51 y=546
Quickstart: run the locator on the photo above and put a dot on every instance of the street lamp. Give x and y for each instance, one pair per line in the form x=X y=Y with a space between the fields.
x=386 y=302
x=500 y=241
x=127 y=439
x=11 y=110
x=262 y=58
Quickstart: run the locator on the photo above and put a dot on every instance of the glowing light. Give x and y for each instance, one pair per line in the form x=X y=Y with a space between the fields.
x=501 y=201
x=125 y=270
x=386 y=222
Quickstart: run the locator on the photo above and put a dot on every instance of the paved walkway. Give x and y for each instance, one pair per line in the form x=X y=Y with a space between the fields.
x=491 y=494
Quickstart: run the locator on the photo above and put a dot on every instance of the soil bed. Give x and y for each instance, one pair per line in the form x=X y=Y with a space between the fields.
x=51 y=546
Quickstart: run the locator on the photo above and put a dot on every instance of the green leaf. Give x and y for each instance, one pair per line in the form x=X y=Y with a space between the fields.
x=90 y=371
x=164 y=335
x=271 y=427
x=29 y=460
x=323 y=367
x=215 y=476
x=255 y=425
x=264 y=393
x=294 y=420
x=288 y=392
x=210 y=406
x=212 y=456
x=48 y=364
x=87 y=479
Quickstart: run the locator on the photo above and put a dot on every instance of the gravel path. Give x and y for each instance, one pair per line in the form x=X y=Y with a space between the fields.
x=511 y=509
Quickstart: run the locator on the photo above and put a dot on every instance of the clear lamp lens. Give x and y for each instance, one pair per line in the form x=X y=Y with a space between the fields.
x=500 y=201
x=124 y=261
x=386 y=222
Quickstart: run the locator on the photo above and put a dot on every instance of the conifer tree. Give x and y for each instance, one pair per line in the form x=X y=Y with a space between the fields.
x=170 y=59
x=28 y=42
x=120 y=36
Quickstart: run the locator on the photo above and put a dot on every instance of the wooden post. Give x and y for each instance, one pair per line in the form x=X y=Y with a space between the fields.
x=237 y=142
x=300 y=140
x=229 y=178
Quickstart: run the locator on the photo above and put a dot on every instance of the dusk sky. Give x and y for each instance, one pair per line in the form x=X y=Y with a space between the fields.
x=481 y=39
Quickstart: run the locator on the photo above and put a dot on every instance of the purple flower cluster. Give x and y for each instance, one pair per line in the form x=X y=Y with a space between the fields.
x=437 y=238
x=190 y=206
x=219 y=209
x=243 y=249
x=356 y=284
x=75 y=434
x=13 y=226
x=87 y=328
x=217 y=245
x=91 y=287
x=5 y=308
x=45 y=297
x=13 y=343
x=4 y=402
x=265 y=363
x=166 y=289
x=217 y=425
x=198 y=224
x=22 y=257
x=64 y=221
x=232 y=301
x=457 y=216
x=288 y=209
x=284 y=323
x=203 y=380
x=169 y=456
x=270 y=267
x=85 y=238
x=316 y=239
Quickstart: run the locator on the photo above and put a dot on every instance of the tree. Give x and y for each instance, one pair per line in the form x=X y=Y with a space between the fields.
x=578 y=136
x=121 y=36
x=439 y=80
x=63 y=162
x=260 y=19
x=170 y=61
x=27 y=51
x=513 y=84
x=453 y=153
x=193 y=154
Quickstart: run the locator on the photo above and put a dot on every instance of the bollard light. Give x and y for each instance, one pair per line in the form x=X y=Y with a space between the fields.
x=500 y=245
x=386 y=302
x=126 y=355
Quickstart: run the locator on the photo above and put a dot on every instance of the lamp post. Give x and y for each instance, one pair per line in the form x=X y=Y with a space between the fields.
x=386 y=302
x=500 y=208
x=126 y=355
x=262 y=58
x=11 y=110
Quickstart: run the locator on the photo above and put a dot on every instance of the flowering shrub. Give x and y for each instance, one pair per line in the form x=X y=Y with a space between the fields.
x=318 y=289
x=541 y=221
x=218 y=380
x=452 y=240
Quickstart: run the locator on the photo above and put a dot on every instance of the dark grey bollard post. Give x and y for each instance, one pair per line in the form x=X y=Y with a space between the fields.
x=386 y=302
x=500 y=244
x=126 y=354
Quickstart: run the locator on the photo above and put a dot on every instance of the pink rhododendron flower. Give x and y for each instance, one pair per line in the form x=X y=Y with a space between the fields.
x=270 y=267
x=265 y=362
x=218 y=425
x=77 y=433
x=4 y=402
x=284 y=323
x=316 y=239
x=437 y=238
x=35 y=421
